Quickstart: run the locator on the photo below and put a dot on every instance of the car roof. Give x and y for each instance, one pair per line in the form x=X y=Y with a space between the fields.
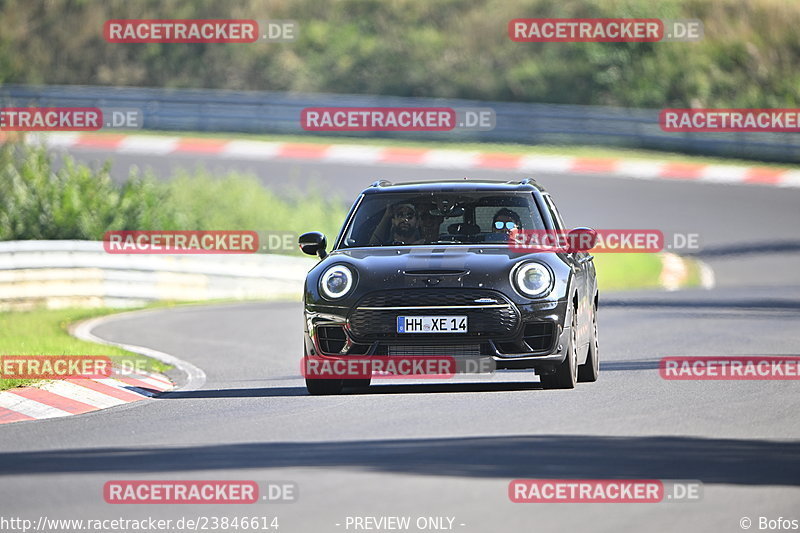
x=465 y=185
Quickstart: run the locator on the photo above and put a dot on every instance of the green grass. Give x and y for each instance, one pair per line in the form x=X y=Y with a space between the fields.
x=44 y=332
x=623 y=271
x=600 y=152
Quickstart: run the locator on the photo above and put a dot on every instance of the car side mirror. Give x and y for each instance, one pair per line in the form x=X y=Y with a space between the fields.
x=313 y=243
x=581 y=240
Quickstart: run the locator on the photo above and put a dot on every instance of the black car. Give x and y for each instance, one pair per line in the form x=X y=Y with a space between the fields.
x=412 y=254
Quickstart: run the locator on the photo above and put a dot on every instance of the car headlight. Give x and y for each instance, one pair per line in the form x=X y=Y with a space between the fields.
x=533 y=279
x=336 y=282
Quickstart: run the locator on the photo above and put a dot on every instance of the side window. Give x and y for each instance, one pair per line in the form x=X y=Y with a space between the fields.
x=554 y=214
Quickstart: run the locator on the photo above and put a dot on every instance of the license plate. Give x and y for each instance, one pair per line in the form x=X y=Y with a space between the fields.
x=431 y=324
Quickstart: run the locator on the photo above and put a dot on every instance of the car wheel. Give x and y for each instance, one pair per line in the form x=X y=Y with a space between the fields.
x=589 y=371
x=324 y=387
x=566 y=374
x=357 y=383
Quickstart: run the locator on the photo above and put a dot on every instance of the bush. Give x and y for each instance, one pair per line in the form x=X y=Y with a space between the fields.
x=75 y=202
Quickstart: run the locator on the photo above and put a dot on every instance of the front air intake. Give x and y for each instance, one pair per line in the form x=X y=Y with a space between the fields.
x=331 y=339
x=539 y=335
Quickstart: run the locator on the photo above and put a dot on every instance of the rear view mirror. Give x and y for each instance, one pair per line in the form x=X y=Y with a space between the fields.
x=581 y=240
x=313 y=243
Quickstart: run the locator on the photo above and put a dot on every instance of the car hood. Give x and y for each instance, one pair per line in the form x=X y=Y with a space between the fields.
x=453 y=266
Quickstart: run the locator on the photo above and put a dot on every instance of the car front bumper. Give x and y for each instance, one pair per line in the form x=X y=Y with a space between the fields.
x=329 y=331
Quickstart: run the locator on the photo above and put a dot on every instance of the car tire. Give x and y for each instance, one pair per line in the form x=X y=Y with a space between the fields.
x=324 y=387
x=357 y=383
x=566 y=374
x=589 y=371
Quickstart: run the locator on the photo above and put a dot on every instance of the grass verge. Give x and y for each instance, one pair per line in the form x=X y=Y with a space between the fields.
x=625 y=271
x=44 y=332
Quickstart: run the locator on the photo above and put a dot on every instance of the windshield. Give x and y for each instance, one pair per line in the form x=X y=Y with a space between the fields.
x=440 y=218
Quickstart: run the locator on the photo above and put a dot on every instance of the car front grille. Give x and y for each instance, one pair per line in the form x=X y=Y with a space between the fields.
x=444 y=350
x=428 y=297
x=495 y=317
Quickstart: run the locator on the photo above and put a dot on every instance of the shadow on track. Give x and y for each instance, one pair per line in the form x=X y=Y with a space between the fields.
x=619 y=366
x=731 y=461
x=269 y=392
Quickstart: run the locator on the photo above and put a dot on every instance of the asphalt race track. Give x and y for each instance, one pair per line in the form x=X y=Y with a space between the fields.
x=451 y=449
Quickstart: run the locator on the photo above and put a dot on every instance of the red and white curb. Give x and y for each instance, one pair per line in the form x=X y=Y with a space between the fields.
x=422 y=158
x=77 y=396
x=55 y=399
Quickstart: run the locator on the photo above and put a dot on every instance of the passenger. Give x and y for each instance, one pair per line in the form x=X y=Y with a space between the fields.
x=505 y=220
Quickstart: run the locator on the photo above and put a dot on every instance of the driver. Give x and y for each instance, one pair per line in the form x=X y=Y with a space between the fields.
x=405 y=225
